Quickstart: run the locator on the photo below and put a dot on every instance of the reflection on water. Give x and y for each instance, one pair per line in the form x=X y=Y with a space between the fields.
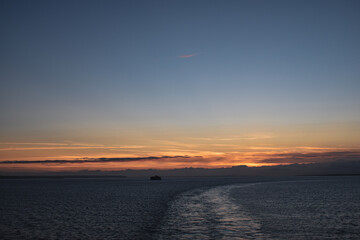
x=327 y=208
x=209 y=214
x=89 y=208
x=192 y=208
x=319 y=208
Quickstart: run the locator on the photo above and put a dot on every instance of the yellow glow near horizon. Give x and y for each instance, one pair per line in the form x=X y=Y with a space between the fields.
x=204 y=148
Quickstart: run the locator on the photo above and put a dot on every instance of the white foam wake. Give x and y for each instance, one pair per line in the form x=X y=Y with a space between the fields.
x=210 y=214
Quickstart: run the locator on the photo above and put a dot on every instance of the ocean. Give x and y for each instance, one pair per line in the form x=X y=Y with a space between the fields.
x=181 y=208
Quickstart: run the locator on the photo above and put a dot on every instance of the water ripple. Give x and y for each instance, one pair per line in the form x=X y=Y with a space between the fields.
x=209 y=214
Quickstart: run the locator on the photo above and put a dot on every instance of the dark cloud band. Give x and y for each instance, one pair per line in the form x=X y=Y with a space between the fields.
x=312 y=157
x=94 y=160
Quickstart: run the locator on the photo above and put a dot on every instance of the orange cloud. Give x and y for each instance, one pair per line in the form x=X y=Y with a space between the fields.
x=57 y=147
x=188 y=55
x=180 y=161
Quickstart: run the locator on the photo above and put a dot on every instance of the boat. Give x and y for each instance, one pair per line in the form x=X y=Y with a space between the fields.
x=156 y=177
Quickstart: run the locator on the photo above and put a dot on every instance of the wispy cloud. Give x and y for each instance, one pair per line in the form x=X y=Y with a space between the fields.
x=34 y=143
x=62 y=147
x=188 y=55
x=93 y=160
x=204 y=159
x=313 y=157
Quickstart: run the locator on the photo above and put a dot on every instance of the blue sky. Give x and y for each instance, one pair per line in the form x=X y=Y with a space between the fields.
x=69 y=64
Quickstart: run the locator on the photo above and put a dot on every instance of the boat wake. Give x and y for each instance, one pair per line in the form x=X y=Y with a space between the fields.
x=209 y=214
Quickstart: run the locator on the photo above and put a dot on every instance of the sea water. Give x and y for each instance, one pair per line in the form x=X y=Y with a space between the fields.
x=299 y=208
x=181 y=208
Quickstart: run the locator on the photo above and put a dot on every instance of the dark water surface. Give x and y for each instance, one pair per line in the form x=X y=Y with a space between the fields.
x=174 y=208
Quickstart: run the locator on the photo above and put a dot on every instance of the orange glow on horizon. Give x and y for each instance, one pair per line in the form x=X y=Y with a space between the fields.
x=200 y=148
x=173 y=161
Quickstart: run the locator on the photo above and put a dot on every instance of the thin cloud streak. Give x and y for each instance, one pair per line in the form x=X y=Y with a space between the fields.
x=188 y=55
x=34 y=143
x=313 y=157
x=213 y=159
x=93 y=160
x=68 y=147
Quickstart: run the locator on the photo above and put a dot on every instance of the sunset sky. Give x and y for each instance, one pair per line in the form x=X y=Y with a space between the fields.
x=169 y=84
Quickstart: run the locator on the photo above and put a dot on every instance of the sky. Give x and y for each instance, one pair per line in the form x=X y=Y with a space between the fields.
x=170 y=84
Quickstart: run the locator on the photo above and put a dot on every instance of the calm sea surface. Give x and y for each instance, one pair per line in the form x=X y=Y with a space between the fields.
x=174 y=208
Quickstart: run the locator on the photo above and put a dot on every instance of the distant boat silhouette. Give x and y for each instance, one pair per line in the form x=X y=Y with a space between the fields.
x=156 y=177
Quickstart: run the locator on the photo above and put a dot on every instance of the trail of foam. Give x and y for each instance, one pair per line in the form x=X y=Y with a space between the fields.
x=209 y=214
